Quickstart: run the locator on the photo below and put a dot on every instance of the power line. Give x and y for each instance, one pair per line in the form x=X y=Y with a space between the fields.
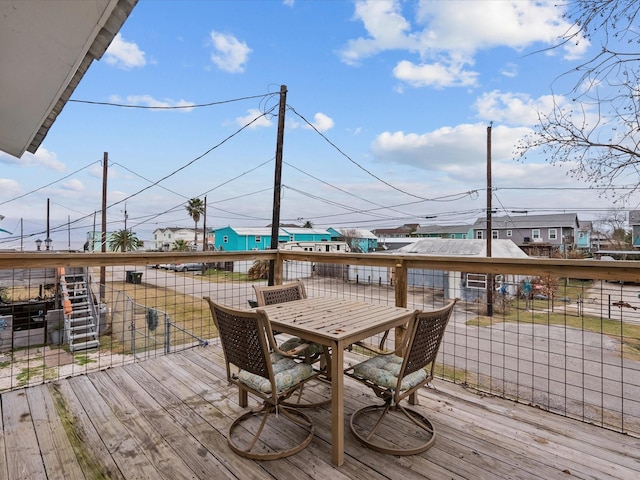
x=351 y=160
x=174 y=107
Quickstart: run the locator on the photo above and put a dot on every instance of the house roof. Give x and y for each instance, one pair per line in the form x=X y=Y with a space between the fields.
x=459 y=247
x=446 y=229
x=406 y=229
x=529 y=221
x=260 y=231
x=46 y=47
x=302 y=231
x=356 y=232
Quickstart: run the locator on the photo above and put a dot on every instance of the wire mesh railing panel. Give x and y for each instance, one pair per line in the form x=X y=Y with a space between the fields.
x=567 y=345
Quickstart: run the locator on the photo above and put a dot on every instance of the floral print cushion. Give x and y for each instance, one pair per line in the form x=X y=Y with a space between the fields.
x=287 y=373
x=383 y=370
x=294 y=342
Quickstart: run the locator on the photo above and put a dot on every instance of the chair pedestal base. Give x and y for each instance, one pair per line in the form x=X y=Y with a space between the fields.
x=244 y=433
x=303 y=398
x=393 y=429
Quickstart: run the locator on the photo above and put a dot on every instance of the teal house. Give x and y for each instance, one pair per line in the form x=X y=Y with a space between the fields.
x=358 y=239
x=444 y=231
x=241 y=239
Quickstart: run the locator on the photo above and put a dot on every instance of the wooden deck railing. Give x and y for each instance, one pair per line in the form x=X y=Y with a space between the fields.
x=576 y=353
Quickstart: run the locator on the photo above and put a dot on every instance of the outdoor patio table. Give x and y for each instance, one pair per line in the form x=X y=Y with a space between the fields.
x=335 y=323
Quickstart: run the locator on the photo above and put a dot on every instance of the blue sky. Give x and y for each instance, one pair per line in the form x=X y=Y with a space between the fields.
x=399 y=94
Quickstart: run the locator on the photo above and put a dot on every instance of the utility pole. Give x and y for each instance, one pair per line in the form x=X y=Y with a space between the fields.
x=103 y=246
x=47 y=241
x=204 y=226
x=489 y=225
x=277 y=183
x=126 y=232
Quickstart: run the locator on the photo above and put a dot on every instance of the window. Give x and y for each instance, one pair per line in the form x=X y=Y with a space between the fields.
x=494 y=234
x=553 y=234
x=479 y=234
x=258 y=239
x=225 y=239
x=535 y=233
x=580 y=234
x=509 y=233
x=477 y=280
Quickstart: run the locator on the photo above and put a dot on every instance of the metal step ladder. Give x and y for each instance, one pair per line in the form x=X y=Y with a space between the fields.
x=80 y=318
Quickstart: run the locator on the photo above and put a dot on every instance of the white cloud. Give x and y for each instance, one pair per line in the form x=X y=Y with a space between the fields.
x=446 y=148
x=123 y=54
x=73 y=185
x=520 y=109
x=42 y=158
x=513 y=108
x=437 y=75
x=445 y=36
x=149 y=101
x=387 y=29
x=509 y=70
x=251 y=115
x=230 y=54
x=9 y=188
x=321 y=122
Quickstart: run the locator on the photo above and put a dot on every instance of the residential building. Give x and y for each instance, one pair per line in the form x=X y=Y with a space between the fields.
x=587 y=240
x=634 y=223
x=332 y=246
x=259 y=238
x=404 y=231
x=359 y=239
x=164 y=238
x=444 y=231
x=470 y=286
x=538 y=235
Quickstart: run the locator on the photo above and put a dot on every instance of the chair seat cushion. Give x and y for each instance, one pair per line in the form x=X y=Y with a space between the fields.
x=383 y=370
x=287 y=373
x=294 y=342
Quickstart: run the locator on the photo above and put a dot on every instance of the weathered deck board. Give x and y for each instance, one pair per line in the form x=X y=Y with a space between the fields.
x=168 y=418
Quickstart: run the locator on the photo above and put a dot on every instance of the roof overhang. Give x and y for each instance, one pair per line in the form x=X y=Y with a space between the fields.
x=45 y=49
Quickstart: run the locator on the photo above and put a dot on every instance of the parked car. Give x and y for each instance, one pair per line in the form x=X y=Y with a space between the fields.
x=187 y=267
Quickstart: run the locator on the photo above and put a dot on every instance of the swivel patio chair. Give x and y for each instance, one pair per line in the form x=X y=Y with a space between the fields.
x=391 y=427
x=270 y=295
x=262 y=369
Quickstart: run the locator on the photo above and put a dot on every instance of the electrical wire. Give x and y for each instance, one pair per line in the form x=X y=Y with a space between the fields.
x=175 y=107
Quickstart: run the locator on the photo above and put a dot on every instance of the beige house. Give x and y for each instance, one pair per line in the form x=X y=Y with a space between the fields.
x=164 y=238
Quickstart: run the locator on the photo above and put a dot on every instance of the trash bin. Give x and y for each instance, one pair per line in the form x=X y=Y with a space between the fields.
x=133 y=277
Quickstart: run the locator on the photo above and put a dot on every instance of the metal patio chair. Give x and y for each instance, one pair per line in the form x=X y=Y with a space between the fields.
x=270 y=295
x=262 y=369
x=391 y=427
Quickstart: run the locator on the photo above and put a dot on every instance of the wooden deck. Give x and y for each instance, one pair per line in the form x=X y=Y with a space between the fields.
x=167 y=418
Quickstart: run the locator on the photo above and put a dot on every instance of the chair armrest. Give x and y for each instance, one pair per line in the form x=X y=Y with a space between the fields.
x=294 y=352
x=377 y=349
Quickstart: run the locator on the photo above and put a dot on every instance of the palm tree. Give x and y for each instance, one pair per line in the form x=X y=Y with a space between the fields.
x=180 y=246
x=195 y=208
x=307 y=224
x=124 y=241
